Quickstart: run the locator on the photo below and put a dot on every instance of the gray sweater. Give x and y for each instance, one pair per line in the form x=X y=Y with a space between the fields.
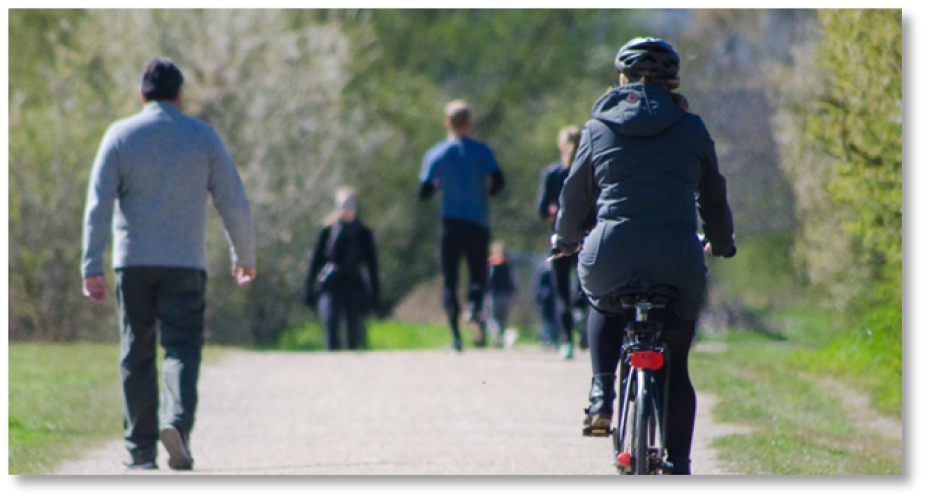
x=159 y=167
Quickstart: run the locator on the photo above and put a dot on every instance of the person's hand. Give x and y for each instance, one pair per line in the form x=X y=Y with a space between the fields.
x=553 y=242
x=95 y=287
x=552 y=212
x=706 y=247
x=564 y=254
x=243 y=274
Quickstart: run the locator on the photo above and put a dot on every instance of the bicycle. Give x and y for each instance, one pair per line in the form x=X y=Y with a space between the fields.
x=638 y=442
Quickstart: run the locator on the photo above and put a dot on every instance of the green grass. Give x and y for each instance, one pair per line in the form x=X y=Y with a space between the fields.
x=381 y=336
x=797 y=427
x=870 y=355
x=64 y=398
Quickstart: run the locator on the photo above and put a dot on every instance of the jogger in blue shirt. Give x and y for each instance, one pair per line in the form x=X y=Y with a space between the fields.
x=458 y=166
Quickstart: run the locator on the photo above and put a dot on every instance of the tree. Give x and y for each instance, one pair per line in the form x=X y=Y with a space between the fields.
x=859 y=123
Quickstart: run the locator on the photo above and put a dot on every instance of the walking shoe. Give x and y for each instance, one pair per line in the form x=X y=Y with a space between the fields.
x=150 y=465
x=176 y=446
x=681 y=467
x=602 y=396
x=566 y=351
x=455 y=346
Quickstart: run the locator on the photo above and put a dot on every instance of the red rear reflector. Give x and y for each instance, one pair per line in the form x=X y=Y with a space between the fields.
x=647 y=359
x=624 y=460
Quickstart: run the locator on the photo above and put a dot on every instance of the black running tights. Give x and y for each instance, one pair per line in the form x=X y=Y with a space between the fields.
x=561 y=277
x=468 y=240
x=606 y=335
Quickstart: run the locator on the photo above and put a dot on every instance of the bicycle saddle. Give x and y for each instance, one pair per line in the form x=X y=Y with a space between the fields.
x=658 y=295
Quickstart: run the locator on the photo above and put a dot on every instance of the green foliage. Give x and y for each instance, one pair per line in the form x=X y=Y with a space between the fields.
x=762 y=274
x=526 y=73
x=860 y=123
x=305 y=101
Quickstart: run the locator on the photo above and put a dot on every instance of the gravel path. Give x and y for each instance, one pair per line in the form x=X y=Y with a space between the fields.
x=404 y=412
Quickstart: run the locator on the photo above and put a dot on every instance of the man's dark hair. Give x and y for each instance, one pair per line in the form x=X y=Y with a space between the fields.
x=161 y=80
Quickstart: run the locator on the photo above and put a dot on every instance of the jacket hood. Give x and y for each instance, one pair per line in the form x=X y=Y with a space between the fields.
x=638 y=110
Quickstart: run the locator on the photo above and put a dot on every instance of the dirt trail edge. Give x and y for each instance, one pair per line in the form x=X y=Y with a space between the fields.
x=402 y=412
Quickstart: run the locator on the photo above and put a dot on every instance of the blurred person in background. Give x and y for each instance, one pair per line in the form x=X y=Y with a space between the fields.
x=547 y=205
x=545 y=298
x=650 y=168
x=336 y=284
x=501 y=289
x=459 y=167
x=160 y=167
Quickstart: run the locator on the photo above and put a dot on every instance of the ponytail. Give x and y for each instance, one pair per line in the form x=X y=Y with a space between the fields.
x=568 y=140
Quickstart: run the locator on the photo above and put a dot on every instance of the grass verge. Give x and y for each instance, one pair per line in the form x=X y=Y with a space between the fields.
x=797 y=427
x=384 y=336
x=64 y=398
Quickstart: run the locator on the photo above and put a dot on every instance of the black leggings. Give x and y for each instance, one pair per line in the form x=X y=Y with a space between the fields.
x=461 y=238
x=606 y=335
x=561 y=278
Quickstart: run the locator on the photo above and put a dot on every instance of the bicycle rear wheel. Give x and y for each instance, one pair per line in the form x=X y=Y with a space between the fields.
x=644 y=428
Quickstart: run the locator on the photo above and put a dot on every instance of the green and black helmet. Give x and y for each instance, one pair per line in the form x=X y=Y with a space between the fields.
x=647 y=56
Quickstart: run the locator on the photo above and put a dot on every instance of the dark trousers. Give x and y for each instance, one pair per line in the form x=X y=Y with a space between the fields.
x=606 y=335
x=468 y=240
x=335 y=307
x=561 y=281
x=174 y=301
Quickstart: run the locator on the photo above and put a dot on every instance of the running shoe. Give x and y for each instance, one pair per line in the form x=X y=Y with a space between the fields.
x=478 y=327
x=176 y=446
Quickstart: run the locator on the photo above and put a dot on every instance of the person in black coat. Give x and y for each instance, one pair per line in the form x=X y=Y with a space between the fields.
x=336 y=284
x=547 y=204
x=649 y=167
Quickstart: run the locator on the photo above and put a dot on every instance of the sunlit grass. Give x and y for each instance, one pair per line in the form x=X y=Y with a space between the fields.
x=64 y=398
x=797 y=427
x=381 y=336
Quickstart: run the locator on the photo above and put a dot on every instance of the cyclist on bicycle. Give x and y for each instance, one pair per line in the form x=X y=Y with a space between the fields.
x=648 y=165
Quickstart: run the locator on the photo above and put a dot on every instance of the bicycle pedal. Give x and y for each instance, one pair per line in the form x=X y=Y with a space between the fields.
x=597 y=432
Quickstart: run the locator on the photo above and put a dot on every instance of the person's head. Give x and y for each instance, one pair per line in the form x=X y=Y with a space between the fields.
x=567 y=142
x=497 y=253
x=648 y=60
x=653 y=61
x=346 y=203
x=161 y=81
x=457 y=118
x=497 y=249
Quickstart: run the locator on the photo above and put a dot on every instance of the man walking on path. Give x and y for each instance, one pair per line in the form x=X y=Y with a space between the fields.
x=160 y=166
x=459 y=166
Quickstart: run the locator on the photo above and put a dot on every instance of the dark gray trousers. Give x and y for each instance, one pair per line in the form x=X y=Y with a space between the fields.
x=336 y=307
x=174 y=300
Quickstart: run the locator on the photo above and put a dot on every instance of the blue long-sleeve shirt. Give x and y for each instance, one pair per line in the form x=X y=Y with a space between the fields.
x=149 y=187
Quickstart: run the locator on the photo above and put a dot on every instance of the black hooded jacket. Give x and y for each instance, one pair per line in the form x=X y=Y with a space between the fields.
x=650 y=169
